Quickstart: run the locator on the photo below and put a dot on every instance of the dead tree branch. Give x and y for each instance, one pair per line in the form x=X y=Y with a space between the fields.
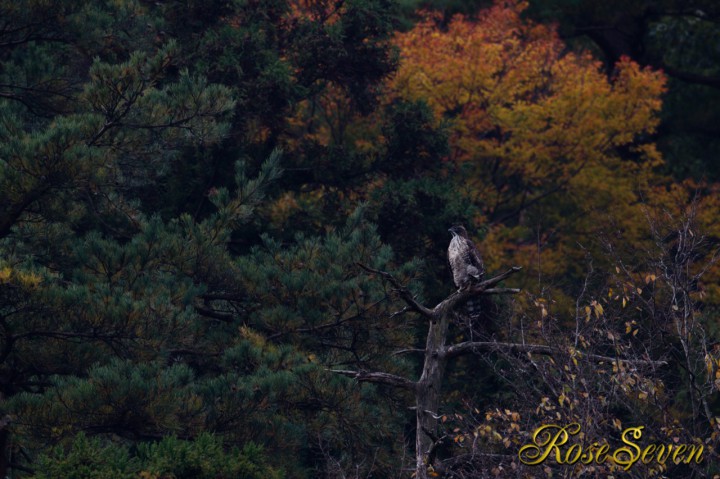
x=405 y=293
x=474 y=347
x=377 y=377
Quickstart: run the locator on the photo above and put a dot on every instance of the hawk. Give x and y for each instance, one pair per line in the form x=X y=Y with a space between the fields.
x=464 y=258
x=466 y=264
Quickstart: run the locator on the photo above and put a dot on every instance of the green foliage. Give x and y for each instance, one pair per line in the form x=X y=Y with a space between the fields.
x=315 y=283
x=202 y=458
x=415 y=145
x=142 y=296
x=87 y=458
x=348 y=59
x=166 y=273
x=147 y=400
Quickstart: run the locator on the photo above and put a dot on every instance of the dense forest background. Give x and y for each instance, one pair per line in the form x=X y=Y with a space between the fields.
x=194 y=196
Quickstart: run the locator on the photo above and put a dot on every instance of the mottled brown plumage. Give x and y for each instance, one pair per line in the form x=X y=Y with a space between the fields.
x=464 y=258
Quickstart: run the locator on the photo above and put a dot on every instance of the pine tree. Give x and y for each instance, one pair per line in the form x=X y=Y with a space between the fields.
x=139 y=301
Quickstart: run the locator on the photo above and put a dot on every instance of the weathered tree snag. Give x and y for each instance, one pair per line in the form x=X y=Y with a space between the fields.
x=427 y=393
x=427 y=388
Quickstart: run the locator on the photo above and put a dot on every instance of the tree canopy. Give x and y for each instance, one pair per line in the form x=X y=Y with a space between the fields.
x=223 y=226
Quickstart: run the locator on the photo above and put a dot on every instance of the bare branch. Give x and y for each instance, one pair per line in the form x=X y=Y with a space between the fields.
x=496 y=279
x=501 y=291
x=481 y=288
x=406 y=351
x=377 y=377
x=405 y=293
x=473 y=346
x=211 y=313
x=401 y=312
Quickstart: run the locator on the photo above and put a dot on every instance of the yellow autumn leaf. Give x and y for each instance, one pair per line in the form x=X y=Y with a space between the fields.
x=5 y=274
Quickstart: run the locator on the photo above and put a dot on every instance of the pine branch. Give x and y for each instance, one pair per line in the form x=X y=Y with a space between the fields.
x=475 y=346
x=12 y=212
x=191 y=352
x=20 y=467
x=377 y=377
x=332 y=324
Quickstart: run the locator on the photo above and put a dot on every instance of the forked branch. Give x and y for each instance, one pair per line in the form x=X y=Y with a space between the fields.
x=485 y=287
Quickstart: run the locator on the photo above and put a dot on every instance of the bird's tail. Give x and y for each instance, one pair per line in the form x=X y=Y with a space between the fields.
x=472 y=308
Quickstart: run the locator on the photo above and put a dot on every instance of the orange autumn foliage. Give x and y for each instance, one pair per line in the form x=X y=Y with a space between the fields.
x=552 y=148
x=521 y=106
x=323 y=11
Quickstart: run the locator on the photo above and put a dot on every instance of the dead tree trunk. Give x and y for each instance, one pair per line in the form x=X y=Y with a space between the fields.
x=426 y=390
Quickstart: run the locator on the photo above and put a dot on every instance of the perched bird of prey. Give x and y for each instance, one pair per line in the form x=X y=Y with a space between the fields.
x=466 y=264
x=464 y=258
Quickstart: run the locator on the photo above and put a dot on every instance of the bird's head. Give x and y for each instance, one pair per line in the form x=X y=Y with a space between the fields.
x=458 y=230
